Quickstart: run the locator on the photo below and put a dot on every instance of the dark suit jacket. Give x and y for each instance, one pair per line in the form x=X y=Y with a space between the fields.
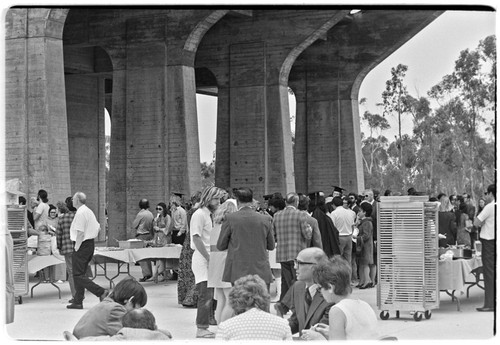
x=300 y=319
x=316 y=235
x=247 y=235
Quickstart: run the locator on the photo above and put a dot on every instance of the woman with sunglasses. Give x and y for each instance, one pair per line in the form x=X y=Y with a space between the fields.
x=163 y=236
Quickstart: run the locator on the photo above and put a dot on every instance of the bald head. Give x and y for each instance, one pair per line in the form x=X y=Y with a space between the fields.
x=313 y=254
x=306 y=261
x=79 y=199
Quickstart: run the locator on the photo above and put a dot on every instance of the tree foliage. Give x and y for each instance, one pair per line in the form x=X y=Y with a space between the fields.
x=446 y=152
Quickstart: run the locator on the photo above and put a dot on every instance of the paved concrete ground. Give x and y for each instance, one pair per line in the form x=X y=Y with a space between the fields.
x=45 y=317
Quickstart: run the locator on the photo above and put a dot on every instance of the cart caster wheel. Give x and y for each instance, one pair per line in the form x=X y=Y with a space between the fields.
x=384 y=315
x=428 y=314
x=20 y=300
x=417 y=316
x=397 y=314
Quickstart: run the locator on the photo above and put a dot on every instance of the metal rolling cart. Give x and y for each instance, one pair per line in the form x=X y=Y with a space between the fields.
x=17 y=225
x=407 y=252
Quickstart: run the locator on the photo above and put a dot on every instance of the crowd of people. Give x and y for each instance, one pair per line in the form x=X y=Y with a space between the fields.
x=325 y=245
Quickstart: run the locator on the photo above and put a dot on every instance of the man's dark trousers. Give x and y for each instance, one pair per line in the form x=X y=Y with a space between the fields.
x=81 y=260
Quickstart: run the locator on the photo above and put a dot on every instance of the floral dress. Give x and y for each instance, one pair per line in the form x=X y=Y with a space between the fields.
x=187 y=294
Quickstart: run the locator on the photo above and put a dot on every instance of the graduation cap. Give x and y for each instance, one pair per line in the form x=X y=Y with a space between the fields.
x=315 y=195
x=267 y=196
x=338 y=189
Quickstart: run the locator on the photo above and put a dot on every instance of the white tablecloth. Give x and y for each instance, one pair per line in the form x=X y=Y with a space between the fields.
x=134 y=255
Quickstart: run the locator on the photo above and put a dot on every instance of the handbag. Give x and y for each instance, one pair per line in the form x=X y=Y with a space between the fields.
x=359 y=246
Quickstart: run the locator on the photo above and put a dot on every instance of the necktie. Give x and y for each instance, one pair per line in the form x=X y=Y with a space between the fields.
x=308 y=298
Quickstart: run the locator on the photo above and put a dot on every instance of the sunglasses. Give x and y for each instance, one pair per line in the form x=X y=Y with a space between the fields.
x=159 y=209
x=298 y=262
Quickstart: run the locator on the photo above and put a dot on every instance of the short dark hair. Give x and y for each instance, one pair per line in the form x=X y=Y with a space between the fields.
x=492 y=189
x=144 y=204
x=69 y=204
x=42 y=193
x=303 y=202
x=367 y=207
x=139 y=318
x=127 y=288
x=336 y=272
x=277 y=201
x=387 y=192
x=440 y=195
x=337 y=201
x=244 y=195
x=463 y=208
x=21 y=200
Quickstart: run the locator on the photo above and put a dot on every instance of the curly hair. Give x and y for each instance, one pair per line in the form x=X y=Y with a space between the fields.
x=227 y=207
x=334 y=272
x=249 y=292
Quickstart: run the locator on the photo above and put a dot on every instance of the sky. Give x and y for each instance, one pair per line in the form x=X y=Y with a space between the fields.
x=429 y=55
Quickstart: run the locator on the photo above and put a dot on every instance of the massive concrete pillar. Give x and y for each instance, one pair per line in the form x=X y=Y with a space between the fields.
x=85 y=109
x=327 y=77
x=154 y=136
x=257 y=59
x=36 y=137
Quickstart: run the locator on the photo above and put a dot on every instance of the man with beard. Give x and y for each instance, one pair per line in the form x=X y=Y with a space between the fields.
x=200 y=227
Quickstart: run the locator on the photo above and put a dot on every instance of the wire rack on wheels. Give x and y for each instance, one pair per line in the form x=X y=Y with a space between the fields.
x=17 y=225
x=407 y=252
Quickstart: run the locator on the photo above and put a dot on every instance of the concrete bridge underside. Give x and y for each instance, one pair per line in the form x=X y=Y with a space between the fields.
x=65 y=66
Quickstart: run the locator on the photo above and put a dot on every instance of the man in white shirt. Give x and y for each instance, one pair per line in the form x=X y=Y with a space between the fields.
x=486 y=220
x=343 y=219
x=41 y=211
x=143 y=225
x=179 y=220
x=200 y=228
x=83 y=230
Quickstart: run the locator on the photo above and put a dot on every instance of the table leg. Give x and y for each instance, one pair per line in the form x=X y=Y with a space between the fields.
x=453 y=298
x=41 y=279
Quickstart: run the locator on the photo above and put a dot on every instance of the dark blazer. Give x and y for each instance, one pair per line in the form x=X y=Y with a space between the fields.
x=448 y=227
x=316 y=235
x=318 y=310
x=247 y=235
x=105 y=318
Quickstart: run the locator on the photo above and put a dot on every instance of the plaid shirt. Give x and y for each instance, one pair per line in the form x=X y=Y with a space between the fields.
x=292 y=233
x=64 y=244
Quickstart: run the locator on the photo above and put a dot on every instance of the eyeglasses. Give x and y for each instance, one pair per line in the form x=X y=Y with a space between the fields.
x=159 y=209
x=298 y=262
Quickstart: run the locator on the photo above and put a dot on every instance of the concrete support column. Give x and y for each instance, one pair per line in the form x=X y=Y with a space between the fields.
x=223 y=147
x=146 y=123
x=85 y=107
x=260 y=150
x=183 y=157
x=327 y=138
x=280 y=153
x=36 y=139
x=301 y=139
x=117 y=177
